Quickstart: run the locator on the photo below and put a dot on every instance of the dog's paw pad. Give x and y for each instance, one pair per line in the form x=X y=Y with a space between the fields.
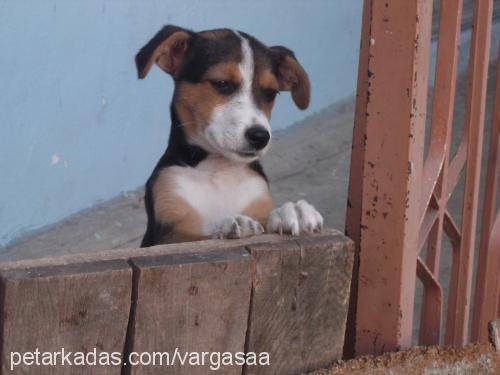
x=295 y=218
x=239 y=226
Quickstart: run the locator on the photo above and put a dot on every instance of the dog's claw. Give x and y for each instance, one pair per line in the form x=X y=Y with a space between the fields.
x=261 y=228
x=295 y=218
x=239 y=226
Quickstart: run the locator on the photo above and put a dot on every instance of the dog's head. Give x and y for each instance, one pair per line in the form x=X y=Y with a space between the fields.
x=225 y=85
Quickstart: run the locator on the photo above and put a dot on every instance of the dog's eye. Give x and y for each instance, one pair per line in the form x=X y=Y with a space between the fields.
x=224 y=87
x=269 y=94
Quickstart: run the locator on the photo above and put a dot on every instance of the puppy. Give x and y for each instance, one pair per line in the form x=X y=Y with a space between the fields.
x=209 y=183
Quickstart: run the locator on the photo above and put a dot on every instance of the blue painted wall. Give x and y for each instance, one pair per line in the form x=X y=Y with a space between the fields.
x=77 y=127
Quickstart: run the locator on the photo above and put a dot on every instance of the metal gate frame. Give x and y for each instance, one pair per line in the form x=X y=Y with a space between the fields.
x=397 y=200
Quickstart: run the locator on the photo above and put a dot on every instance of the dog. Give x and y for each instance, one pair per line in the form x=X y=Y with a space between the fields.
x=209 y=183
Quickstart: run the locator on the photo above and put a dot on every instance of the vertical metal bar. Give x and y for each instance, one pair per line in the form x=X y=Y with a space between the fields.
x=432 y=300
x=458 y=308
x=353 y=212
x=396 y=50
x=432 y=307
x=442 y=121
x=493 y=284
x=486 y=293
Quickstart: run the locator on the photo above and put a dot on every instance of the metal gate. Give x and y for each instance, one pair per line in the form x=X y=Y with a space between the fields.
x=399 y=193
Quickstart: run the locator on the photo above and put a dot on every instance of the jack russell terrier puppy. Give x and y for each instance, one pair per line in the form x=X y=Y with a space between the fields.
x=209 y=183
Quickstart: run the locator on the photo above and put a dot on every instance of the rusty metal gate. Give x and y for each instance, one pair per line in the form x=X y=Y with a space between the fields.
x=399 y=192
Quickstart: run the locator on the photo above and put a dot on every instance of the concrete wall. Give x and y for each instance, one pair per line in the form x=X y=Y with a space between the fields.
x=77 y=127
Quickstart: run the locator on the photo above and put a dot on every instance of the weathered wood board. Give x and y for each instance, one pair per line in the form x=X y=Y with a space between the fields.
x=299 y=304
x=281 y=295
x=190 y=303
x=73 y=308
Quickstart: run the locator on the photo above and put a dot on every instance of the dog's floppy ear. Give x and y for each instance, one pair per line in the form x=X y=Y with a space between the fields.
x=167 y=49
x=292 y=76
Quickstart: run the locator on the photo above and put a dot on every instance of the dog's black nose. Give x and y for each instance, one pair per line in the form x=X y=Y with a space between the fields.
x=257 y=136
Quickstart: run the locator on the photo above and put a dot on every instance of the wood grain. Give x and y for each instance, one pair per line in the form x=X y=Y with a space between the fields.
x=193 y=302
x=299 y=304
x=78 y=308
x=127 y=253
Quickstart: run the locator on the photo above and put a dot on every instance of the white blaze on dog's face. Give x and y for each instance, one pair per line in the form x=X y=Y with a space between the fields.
x=225 y=85
x=238 y=129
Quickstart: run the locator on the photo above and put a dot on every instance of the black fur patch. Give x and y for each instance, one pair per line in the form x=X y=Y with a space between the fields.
x=205 y=52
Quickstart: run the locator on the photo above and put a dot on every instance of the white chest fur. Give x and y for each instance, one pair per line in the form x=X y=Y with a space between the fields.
x=217 y=188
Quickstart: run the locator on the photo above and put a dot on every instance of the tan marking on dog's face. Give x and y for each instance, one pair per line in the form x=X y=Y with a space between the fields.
x=227 y=71
x=265 y=81
x=196 y=102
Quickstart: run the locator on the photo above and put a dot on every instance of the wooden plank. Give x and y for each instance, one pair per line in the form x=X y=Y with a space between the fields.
x=186 y=247
x=193 y=302
x=76 y=308
x=299 y=305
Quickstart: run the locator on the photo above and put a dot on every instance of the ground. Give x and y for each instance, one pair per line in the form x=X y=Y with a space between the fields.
x=473 y=359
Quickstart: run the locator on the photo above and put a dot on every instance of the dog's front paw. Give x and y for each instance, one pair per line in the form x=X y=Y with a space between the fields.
x=295 y=218
x=239 y=226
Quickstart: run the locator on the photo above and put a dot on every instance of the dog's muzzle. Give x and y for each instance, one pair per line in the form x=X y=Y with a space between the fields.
x=257 y=137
